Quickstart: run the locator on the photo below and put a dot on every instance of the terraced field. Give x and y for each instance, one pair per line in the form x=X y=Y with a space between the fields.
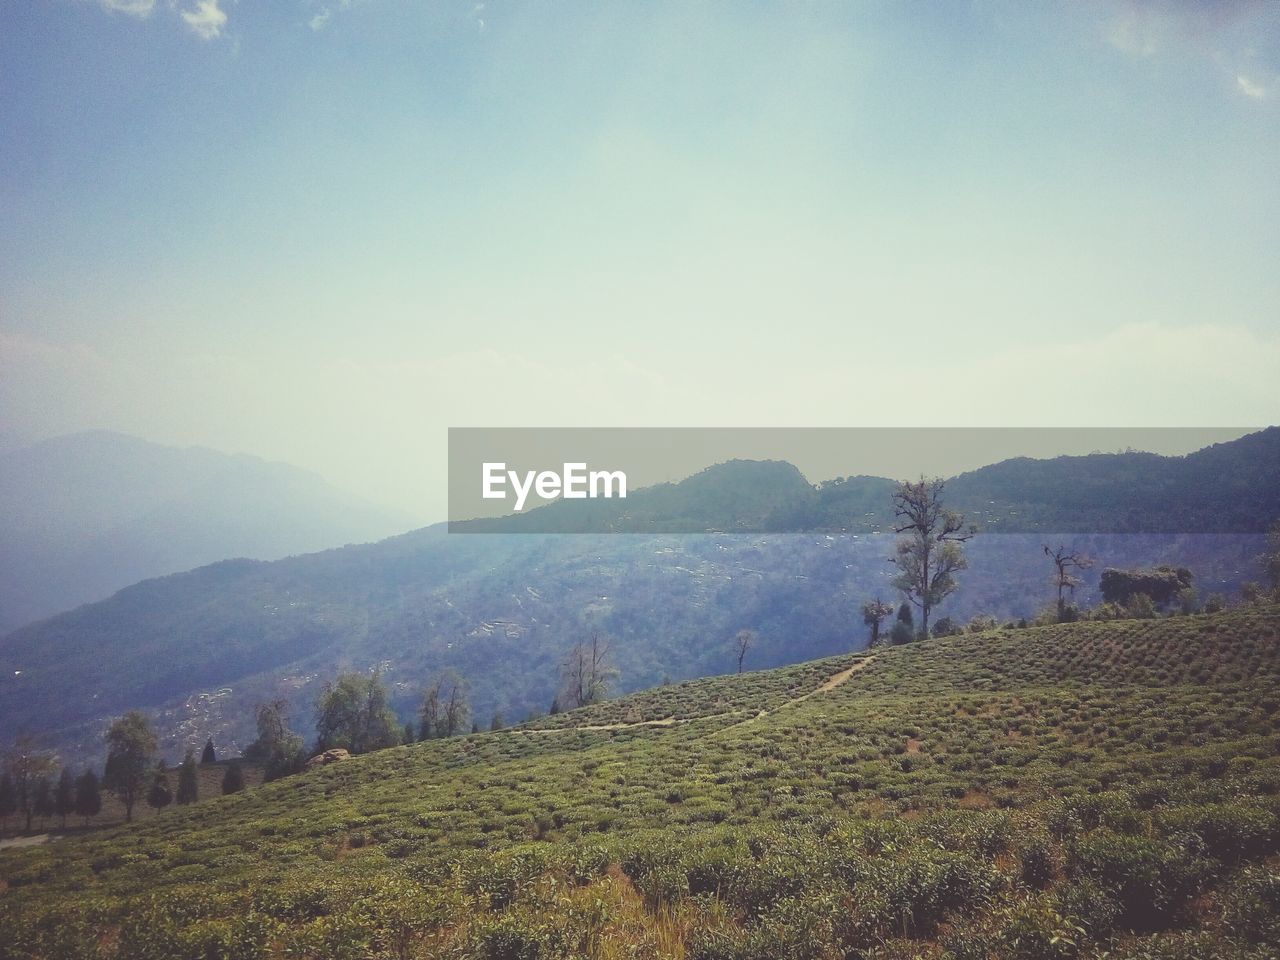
x=1082 y=790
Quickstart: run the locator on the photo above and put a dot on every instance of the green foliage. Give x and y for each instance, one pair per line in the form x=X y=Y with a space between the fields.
x=1061 y=791
x=131 y=745
x=233 y=780
x=352 y=713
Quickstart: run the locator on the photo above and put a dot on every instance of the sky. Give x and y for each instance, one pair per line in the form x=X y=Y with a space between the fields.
x=325 y=231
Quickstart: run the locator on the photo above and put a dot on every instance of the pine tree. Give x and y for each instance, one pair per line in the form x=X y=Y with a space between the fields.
x=8 y=798
x=497 y=722
x=233 y=781
x=188 y=781
x=208 y=756
x=159 y=797
x=64 y=796
x=88 y=796
x=408 y=733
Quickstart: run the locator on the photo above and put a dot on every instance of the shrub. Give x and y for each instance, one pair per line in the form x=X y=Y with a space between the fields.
x=1251 y=906
x=1151 y=880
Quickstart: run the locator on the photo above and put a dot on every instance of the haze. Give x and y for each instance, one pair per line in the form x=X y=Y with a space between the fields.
x=325 y=232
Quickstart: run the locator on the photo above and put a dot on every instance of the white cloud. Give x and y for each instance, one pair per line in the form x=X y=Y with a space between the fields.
x=136 y=8
x=207 y=19
x=1250 y=88
x=325 y=9
x=1221 y=33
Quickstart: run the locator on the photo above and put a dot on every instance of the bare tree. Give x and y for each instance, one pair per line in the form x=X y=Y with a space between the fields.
x=27 y=765
x=929 y=551
x=873 y=614
x=456 y=708
x=444 y=708
x=429 y=713
x=1065 y=562
x=742 y=642
x=587 y=672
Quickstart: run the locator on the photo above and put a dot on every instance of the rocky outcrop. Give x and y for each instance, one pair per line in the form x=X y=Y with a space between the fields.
x=329 y=756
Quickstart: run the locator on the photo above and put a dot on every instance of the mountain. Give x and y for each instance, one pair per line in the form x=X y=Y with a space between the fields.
x=200 y=649
x=1225 y=488
x=83 y=515
x=1073 y=791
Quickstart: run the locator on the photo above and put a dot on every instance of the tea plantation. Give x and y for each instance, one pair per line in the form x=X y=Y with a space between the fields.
x=1101 y=789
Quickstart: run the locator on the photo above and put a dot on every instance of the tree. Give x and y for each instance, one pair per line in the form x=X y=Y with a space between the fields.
x=159 y=796
x=64 y=796
x=904 y=626
x=233 y=779
x=130 y=746
x=444 y=709
x=1064 y=563
x=456 y=708
x=1161 y=585
x=188 y=781
x=929 y=551
x=352 y=712
x=429 y=712
x=742 y=642
x=43 y=799
x=555 y=707
x=1271 y=559
x=88 y=796
x=873 y=614
x=496 y=722
x=408 y=736
x=587 y=672
x=278 y=748
x=8 y=797
x=209 y=755
x=27 y=765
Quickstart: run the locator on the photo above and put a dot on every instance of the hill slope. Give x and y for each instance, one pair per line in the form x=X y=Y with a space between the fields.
x=502 y=610
x=83 y=515
x=1044 y=792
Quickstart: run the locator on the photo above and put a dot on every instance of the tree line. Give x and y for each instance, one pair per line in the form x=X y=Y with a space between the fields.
x=351 y=713
x=929 y=556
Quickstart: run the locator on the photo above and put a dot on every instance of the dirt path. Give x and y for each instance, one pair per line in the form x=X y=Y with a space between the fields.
x=827 y=686
x=830 y=684
x=32 y=841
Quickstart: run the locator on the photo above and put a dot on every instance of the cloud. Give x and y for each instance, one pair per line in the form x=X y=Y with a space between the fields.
x=1221 y=32
x=1250 y=88
x=325 y=9
x=135 y=8
x=207 y=19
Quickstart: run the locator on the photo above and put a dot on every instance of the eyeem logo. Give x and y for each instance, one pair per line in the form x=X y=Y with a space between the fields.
x=575 y=482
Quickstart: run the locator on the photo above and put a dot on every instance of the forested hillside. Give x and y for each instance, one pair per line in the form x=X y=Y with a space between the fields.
x=201 y=649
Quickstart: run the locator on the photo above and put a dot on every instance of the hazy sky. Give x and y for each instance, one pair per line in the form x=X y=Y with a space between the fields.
x=323 y=231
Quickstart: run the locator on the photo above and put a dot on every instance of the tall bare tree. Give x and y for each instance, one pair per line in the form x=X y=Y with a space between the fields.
x=929 y=551
x=742 y=642
x=587 y=672
x=1065 y=564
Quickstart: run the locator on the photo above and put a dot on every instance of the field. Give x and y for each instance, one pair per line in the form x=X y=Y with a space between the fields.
x=1079 y=790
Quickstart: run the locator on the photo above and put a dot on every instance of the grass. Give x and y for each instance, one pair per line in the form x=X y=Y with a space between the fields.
x=1052 y=792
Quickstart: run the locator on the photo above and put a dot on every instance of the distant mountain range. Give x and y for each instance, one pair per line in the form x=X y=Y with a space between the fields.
x=83 y=515
x=199 y=649
x=1225 y=488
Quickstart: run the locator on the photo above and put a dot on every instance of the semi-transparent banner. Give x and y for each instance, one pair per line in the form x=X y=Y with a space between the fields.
x=842 y=480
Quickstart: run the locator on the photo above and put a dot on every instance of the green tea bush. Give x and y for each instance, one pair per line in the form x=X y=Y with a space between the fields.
x=1251 y=906
x=1151 y=880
